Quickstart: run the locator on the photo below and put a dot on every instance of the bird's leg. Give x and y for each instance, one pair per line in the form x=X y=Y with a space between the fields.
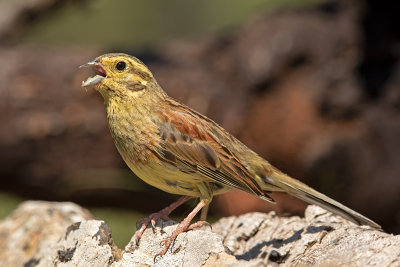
x=185 y=226
x=204 y=212
x=162 y=214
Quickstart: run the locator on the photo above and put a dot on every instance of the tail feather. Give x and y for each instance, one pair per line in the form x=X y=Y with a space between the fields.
x=303 y=192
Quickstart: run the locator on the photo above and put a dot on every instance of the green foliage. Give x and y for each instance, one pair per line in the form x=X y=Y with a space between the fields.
x=8 y=203
x=122 y=222
x=134 y=24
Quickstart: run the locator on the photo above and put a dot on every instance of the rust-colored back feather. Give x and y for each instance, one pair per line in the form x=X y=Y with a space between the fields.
x=188 y=136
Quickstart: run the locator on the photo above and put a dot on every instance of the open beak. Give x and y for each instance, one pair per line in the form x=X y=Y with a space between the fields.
x=100 y=73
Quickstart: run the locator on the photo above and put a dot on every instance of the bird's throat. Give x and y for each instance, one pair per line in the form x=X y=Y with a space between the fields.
x=132 y=129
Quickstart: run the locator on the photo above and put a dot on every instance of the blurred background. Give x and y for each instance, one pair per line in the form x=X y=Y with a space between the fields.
x=313 y=86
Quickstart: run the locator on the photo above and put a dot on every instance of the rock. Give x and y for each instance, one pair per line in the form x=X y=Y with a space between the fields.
x=193 y=248
x=86 y=243
x=319 y=239
x=64 y=234
x=34 y=227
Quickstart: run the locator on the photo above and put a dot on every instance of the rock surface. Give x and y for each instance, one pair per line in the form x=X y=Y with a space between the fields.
x=318 y=239
x=33 y=228
x=64 y=234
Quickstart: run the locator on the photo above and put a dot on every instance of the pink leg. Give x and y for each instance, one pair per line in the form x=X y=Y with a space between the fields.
x=162 y=214
x=184 y=226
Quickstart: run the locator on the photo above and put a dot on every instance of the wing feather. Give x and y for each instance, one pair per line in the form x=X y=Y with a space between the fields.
x=188 y=142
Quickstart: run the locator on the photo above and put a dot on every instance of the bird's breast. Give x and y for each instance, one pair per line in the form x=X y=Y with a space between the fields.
x=135 y=135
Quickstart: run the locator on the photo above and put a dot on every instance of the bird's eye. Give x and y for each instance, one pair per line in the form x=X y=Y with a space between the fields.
x=120 y=65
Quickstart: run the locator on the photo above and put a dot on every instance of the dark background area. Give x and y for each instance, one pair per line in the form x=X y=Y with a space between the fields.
x=312 y=86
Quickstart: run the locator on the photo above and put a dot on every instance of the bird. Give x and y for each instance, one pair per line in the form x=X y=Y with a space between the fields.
x=180 y=151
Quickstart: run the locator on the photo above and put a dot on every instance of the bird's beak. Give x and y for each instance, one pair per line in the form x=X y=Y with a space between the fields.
x=90 y=63
x=100 y=73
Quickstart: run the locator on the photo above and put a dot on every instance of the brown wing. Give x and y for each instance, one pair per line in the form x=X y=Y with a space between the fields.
x=189 y=142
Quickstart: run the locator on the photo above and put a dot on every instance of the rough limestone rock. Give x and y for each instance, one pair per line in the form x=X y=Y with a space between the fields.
x=86 y=243
x=33 y=227
x=64 y=234
x=193 y=248
x=318 y=239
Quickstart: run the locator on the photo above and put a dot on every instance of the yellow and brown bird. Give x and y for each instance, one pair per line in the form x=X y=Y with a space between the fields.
x=180 y=151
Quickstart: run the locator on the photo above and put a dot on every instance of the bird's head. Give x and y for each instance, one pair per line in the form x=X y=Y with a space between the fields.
x=121 y=75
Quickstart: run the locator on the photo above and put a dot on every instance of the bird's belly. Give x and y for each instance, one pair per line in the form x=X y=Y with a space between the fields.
x=168 y=179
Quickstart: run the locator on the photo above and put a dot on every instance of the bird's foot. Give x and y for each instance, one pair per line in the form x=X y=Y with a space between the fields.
x=162 y=214
x=182 y=227
x=152 y=219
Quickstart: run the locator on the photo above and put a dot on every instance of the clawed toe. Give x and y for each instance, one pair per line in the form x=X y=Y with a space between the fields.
x=182 y=227
x=152 y=219
x=167 y=243
x=141 y=221
x=198 y=224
